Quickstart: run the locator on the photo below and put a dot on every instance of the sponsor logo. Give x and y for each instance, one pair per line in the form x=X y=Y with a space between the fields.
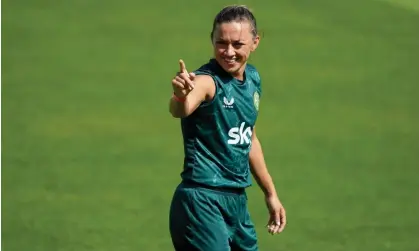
x=240 y=135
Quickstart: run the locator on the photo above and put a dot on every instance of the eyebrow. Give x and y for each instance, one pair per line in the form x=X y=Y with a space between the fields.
x=234 y=41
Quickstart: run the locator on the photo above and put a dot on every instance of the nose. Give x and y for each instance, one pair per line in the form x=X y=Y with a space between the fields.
x=230 y=51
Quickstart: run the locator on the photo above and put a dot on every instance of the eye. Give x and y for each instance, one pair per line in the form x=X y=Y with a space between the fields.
x=238 y=45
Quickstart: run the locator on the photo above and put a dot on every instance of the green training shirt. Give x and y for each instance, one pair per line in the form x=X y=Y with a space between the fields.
x=217 y=135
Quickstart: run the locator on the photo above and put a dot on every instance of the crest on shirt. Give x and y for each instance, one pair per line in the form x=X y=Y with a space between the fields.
x=256 y=100
x=228 y=103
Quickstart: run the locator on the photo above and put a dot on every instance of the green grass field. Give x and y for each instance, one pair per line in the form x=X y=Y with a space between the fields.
x=91 y=155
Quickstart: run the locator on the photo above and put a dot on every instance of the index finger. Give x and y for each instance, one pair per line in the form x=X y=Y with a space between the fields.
x=182 y=66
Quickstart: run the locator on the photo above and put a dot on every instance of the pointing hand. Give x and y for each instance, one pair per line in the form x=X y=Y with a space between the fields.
x=183 y=83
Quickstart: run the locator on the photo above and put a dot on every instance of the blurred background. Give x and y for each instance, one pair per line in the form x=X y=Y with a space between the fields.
x=91 y=155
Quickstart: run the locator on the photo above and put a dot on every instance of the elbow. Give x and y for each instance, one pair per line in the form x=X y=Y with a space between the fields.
x=174 y=113
x=178 y=114
x=178 y=110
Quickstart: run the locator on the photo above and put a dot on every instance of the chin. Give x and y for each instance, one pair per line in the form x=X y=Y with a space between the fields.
x=232 y=68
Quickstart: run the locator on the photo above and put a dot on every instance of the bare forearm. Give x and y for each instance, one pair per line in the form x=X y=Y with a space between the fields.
x=259 y=169
x=178 y=109
x=182 y=105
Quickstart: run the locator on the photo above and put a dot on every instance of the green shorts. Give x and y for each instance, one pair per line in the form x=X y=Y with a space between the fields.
x=207 y=219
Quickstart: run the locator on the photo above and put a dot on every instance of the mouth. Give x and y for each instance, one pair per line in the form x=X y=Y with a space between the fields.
x=230 y=61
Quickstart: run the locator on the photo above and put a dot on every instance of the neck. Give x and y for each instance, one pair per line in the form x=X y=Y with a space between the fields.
x=240 y=73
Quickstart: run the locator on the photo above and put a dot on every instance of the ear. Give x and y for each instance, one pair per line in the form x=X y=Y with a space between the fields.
x=255 y=44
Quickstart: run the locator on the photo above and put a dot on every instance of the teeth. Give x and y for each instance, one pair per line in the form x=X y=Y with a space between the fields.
x=230 y=60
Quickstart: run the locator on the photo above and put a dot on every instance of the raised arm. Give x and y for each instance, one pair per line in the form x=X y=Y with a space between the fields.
x=189 y=91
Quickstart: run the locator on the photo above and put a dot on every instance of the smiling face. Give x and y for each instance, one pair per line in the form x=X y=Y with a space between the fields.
x=233 y=43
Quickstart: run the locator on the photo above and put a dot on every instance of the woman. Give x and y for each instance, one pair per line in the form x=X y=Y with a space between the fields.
x=218 y=105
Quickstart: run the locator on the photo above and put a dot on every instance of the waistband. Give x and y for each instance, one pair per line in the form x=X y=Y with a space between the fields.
x=230 y=190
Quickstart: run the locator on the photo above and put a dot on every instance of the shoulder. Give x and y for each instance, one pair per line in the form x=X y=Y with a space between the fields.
x=204 y=80
x=205 y=83
x=251 y=68
x=253 y=74
x=205 y=74
x=208 y=68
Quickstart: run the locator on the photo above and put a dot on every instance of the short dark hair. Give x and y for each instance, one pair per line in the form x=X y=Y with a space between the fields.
x=235 y=13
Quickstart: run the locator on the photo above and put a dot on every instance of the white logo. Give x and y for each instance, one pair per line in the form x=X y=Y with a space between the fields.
x=256 y=100
x=239 y=135
x=228 y=104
